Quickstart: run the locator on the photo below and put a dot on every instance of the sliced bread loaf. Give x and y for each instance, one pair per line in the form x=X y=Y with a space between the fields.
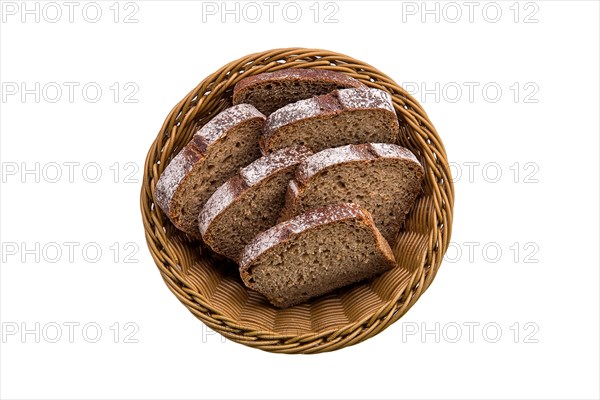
x=383 y=178
x=272 y=90
x=226 y=143
x=250 y=202
x=346 y=116
x=314 y=253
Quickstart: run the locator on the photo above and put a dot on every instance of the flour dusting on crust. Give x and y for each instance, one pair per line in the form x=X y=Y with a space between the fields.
x=349 y=153
x=329 y=104
x=220 y=199
x=326 y=158
x=387 y=150
x=365 y=98
x=227 y=119
x=172 y=176
x=292 y=112
x=267 y=165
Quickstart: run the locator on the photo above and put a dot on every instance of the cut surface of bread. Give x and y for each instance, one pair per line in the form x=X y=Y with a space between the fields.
x=345 y=116
x=314 y=253
x=226 y=143
x=272 y=90
x=250 y=202
x=383 y=178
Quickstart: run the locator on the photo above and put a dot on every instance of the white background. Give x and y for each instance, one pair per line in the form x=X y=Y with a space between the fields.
x=541 y=291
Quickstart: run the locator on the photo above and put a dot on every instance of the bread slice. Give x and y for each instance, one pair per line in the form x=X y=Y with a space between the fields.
x=346 y=116
x=216 y=152
x=250 y=202
x=383 y=178
x=314 y=253
x=272 y=90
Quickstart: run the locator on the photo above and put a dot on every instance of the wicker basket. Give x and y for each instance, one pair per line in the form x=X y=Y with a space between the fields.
x=210 y=287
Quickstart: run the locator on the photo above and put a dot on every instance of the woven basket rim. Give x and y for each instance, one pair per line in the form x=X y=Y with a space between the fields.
x=212 y=94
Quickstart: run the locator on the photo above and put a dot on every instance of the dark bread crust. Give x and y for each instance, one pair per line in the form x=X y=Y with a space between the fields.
x=302 y=76
x=364 y=154
x=176 y=174
x=249 y=178
x=284 y=231
x=295 y=74
x=327 y=106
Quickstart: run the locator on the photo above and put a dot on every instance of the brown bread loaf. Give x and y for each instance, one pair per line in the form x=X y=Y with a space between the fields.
x=272 y=90
x=226 y=143
x=345 y=116
x=314 y=253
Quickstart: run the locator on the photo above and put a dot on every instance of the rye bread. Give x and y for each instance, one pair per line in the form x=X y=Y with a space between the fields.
x=345 y=116
x=383 y=178
x=226 y=143
x=314 y=253
x=250 y=202
x=272 y=90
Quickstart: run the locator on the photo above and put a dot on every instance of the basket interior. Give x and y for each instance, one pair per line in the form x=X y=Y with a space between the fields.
x=210 y=285
x=218 y=281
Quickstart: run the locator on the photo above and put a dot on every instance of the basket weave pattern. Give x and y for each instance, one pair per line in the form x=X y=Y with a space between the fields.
x=209 y=287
